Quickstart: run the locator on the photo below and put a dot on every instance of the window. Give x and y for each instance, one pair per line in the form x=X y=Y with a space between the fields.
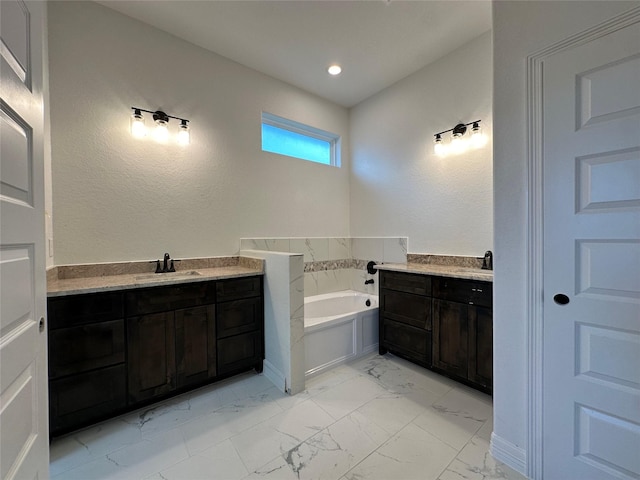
x=293 y=139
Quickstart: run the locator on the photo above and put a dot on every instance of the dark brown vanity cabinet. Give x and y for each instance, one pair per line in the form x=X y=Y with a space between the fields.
x=463 y=330
x=405 y=316
x=440 y=323
x=170 y=338
x=87 y=370
x=111 y=352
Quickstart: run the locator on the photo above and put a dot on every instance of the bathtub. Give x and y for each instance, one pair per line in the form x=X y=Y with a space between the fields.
x=338 y=327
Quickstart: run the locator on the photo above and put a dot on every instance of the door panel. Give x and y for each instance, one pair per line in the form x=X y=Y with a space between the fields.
x=15 y=24
x=609 y=91
x=16 y=162
x=597 y=174
x=591 y=167
x=195 y=345
x=151 y=355
x=450 y=337
x=24 y=451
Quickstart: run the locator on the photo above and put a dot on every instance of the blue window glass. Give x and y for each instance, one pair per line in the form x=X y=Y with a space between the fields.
x=285 y=142
x=286 y=137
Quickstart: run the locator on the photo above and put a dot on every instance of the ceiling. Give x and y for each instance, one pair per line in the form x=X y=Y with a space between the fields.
x=376 y=42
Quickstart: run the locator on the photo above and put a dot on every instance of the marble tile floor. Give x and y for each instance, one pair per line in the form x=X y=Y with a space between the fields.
x=379 y=418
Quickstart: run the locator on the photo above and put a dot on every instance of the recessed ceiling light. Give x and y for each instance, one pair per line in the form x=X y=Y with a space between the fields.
x=334 y=69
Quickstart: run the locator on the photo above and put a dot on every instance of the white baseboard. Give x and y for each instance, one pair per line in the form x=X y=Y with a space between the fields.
x=369 y=349
x=509 y=454
x=276 y=376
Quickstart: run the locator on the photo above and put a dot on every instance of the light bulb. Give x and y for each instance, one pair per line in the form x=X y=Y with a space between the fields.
x=184 y=137
x=478 y=139
x=138 y=129
x=161 y=132
x=458 y=144
x=439 y=148
x=334 y=70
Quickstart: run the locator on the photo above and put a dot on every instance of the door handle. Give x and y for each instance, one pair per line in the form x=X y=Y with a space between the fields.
x=561 y=299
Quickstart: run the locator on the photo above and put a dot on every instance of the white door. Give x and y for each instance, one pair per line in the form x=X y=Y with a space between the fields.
x=24 y=438
x=591 y=366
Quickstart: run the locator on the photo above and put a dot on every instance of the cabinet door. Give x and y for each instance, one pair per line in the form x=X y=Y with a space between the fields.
x=195 y=345
x=406 y=282
x=239 y=352
x=407 y=308
x=85 y=347
x=152 y=359
x=410 y=342
x=72 y=310
x=450 y=337
x=234 y=289
x=78 y=400
x=481 y=346
x=239 y=316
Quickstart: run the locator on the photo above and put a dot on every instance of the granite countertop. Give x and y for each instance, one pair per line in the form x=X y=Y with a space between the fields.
x=453 y=271
x=57 y=287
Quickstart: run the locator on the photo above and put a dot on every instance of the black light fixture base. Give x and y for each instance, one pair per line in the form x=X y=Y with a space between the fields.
x=160 y=115
x=459 y=129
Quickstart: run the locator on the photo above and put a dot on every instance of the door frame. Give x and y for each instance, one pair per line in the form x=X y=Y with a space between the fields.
x=535 y=228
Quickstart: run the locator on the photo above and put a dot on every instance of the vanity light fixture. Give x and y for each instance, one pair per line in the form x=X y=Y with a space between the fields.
x=161 y=131
x=459 y=144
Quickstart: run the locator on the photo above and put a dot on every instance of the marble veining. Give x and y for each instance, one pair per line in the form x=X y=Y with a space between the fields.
x=378 y=418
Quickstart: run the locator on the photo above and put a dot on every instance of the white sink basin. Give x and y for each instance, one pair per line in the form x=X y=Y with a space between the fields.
x=159 y=277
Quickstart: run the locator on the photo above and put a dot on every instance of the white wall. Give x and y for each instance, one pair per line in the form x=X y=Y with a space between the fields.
x=520 y=29
x=119 y=198
x=399 y=187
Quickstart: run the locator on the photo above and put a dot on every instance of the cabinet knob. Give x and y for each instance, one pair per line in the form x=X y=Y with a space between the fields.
x=41 y=325
x=561 y=299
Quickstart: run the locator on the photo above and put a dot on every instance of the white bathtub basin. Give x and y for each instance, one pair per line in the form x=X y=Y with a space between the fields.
x=338 y=327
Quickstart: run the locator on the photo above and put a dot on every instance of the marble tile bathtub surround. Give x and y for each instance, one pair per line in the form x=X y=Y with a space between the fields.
x=314 y=249
x=377 y=418
x=335 y=264
x=321 y=252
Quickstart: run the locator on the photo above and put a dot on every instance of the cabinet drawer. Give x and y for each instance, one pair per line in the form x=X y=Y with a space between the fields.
x=407 y=308
x=78 y=349
x=84 y=309
x=406 y=282
x=239 y=351
x=406 y=340
x=163 y=299
x=238 y=316
x=80 y=399
x=238 y=288
x=463 y=291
